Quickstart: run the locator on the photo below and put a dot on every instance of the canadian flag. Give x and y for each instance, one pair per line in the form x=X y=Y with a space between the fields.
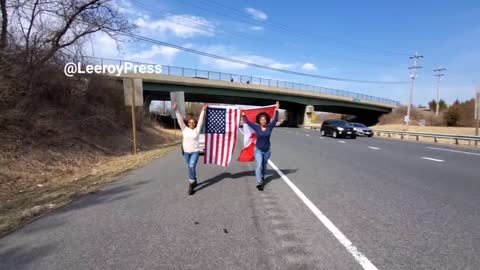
x=249 y=136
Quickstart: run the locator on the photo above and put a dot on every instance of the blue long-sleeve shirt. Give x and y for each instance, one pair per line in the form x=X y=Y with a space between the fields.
x=263 y=136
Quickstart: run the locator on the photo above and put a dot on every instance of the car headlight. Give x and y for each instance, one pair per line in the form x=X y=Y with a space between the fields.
x=340 y=128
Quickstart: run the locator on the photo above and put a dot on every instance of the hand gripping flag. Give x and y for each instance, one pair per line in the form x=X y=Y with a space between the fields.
x=221 y=134
x=249 y=137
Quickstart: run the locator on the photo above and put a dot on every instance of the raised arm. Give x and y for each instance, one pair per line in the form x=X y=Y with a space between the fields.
x=273 y=123
x=201 y=119
x=254 y=126
x=179 y=117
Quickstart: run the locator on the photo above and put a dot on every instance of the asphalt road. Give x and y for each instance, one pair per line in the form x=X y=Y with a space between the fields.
x=402 y=205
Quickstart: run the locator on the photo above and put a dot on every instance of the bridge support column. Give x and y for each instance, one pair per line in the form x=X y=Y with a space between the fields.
x=295 y=117
x=308 y=117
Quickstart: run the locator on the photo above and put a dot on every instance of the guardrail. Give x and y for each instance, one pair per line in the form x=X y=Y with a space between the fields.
x=435 y=136
x=230 y=77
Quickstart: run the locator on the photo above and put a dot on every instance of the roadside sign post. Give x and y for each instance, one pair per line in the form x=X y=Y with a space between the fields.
x=133 y=96
x=134 y=126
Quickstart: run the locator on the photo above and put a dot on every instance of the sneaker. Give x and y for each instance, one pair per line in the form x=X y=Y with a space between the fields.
x=260 y=187
x=191 y=186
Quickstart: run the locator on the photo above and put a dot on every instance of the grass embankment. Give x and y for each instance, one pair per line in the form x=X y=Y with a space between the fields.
x=431 y=129
x=19 y=207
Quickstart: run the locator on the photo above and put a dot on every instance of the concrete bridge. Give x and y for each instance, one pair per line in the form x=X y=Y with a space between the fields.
x=216 y=87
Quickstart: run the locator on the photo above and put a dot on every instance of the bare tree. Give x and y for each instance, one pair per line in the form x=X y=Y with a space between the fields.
x=48 y=27
x=44 y=33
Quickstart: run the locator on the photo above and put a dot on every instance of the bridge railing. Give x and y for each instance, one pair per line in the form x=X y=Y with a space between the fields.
x=230 y=77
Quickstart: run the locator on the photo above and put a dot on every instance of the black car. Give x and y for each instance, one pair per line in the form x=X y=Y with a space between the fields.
x=337 y=128
x=362 y=130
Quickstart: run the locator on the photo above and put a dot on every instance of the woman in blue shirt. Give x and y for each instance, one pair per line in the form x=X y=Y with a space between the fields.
x=263 y=129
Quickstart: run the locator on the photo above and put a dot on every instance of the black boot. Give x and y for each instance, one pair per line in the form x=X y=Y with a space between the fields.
x=191 y=186
x=260 y=187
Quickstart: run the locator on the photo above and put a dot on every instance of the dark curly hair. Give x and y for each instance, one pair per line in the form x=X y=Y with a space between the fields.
x=263 y=114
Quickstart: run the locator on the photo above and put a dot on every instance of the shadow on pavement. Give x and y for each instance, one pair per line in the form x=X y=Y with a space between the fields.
x=271 y=176
x=107 y=195
x=24 y=257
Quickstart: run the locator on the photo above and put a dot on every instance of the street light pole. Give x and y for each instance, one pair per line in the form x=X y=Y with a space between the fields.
x=413 y=75
x=439 y=76
x=477 y=111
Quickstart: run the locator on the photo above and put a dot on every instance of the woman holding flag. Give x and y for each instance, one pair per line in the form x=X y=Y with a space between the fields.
x=190 y=143
x=263 y=130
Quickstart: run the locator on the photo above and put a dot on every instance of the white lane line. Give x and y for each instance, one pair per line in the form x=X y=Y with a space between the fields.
x=357 y=255
x=341 y=141
x=374 y=148
x=308 y=135
x=455 y=151
x=433 y=159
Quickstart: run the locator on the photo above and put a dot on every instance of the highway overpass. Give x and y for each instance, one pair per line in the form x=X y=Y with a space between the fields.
x=216 y=87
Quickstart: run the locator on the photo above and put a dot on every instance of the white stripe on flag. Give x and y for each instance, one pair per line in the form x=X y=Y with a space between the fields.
x=220 y=149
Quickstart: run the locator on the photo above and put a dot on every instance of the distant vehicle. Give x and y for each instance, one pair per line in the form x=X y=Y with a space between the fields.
x=337 y=129
x=362 y=130
x=201 y=142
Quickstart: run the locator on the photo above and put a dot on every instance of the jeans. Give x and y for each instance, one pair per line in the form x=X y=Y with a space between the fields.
x=191 y=159
x=261 y=157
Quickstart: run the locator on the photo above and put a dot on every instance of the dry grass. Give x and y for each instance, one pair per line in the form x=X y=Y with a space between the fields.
x=440 y=130
x=19 y=208
x=429 y=129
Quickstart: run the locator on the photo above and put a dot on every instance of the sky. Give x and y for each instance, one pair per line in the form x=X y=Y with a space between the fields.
x=361 y=40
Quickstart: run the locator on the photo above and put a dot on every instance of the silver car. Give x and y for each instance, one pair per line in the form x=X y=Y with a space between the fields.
x=362 y=130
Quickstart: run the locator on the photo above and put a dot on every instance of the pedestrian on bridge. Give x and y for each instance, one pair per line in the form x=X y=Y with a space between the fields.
x=263 y=130
x=190 y=143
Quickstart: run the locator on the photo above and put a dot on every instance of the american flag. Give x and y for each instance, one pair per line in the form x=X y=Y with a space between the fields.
x=221 y=134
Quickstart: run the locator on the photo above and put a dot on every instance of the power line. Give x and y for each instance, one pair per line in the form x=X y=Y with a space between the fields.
x=232 y=60
x=211 y=31
x=166 y=44
x=287 y=28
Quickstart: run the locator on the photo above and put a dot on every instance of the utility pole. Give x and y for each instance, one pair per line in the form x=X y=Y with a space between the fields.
x=439 y=74
x=477 y=111
x=413 y=75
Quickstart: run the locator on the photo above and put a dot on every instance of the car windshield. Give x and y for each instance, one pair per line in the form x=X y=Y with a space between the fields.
x=342 y=123
x=359 y=125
